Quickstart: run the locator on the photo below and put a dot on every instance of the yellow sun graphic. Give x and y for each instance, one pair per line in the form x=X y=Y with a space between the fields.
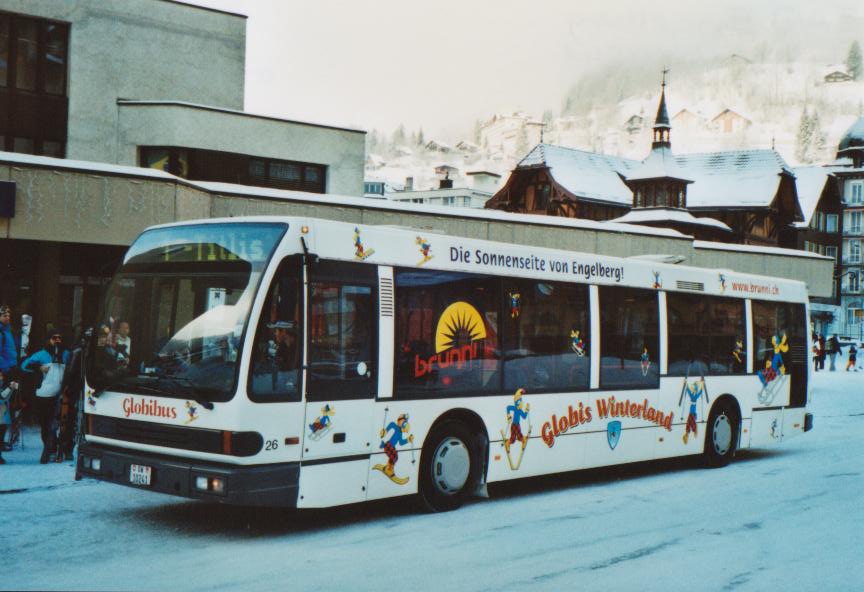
x=460 y=319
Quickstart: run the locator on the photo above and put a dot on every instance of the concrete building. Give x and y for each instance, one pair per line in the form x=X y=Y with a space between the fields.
x=131 y=83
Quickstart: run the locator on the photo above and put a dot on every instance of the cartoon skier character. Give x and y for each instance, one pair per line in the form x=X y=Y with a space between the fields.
x=693 y=392
x=775 y=366
x=515 y=414
x=425 y=248
x=324 y=422
x=577 y=344
x=359 y=251
x=400 y=429
x=657 y=283
x=192 y=411
x=515 y=304
x=722 y=279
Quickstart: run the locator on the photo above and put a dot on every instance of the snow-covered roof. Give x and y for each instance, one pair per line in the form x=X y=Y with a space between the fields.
x=712 y=246
x=675 y=215
x=660 y=164
x=585 y=174
x=735 y=112
x=854 y=136
x=810 y=182
x=734 y=178
x=749 y=178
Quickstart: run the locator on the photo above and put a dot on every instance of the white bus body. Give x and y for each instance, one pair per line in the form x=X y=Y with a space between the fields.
x=423 y=340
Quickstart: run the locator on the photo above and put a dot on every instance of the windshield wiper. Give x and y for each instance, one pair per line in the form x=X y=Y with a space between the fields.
x=188 y=384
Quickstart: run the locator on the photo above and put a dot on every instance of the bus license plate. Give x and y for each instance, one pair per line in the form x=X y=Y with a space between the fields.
x=139 y=475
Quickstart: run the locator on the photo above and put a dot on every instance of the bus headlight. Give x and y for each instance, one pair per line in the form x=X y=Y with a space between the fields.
x=210 y=484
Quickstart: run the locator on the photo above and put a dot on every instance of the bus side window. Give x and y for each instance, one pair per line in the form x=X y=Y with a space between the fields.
x=276 y=354
x=546 y=336
x=706 y=335
x=342 y=331
x=447 y=334
x=629 y=340
x=781 y=344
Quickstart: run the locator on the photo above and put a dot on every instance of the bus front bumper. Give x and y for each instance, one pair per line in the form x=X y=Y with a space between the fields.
x=262 y=485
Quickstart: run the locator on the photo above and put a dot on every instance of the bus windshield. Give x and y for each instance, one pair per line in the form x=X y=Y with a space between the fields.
x=174 y=315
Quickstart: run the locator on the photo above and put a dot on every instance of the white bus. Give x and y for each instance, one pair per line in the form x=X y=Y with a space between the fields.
x=310 y=363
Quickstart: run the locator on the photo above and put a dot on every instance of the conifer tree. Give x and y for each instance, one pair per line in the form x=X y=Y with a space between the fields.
x=420 y=139
x=804 y=137
x=854 y=62
x=818 y=139
x=399 y=135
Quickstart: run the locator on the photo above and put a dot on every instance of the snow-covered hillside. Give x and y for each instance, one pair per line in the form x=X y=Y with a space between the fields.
x=732 y=104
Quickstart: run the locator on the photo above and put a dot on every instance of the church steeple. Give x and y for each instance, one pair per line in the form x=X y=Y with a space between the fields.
x=662 y=128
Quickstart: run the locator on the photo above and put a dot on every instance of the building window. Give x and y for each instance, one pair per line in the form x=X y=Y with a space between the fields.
x=831 y=252
x=856 y=193
x=854 y=314
x=33 y=73
x=854 y=251
x=229 y=167
x=852 y=283
x=855 y=222
x=831 y=223
x=448 y=200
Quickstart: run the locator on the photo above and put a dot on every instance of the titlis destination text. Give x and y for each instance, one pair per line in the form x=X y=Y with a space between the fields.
x=586 y=270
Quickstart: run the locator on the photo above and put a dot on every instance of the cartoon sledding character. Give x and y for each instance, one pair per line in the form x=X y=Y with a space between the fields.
x=425 y=247
x=322 y=424
x=645 y=361
x=515 y=304
x=400 y=429
x=515 y=414
x=693 y=392
x=359 y=251
x=774 y=368
x=577 y=344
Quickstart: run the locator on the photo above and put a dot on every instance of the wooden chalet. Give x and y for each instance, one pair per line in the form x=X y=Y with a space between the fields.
x=742 y=196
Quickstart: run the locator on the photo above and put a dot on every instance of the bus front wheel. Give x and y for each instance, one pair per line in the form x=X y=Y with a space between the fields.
x=722 y=436
x=447 y=467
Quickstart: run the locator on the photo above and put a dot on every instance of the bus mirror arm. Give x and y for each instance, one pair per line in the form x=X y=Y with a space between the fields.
x=309 y=259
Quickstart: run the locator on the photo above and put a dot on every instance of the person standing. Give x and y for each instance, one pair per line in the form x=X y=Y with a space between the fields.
x=48 y=364
x=833 y=350
x=822 y=351
x=71 y=392
x=816 y=353
x=7 y=390
x=853 y=353
x=8 y=345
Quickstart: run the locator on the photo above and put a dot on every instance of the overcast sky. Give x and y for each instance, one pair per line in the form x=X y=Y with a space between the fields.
x=378 y=63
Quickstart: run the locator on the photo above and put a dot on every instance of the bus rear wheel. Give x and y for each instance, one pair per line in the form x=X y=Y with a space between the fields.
x=447 y=467
x=722 y=436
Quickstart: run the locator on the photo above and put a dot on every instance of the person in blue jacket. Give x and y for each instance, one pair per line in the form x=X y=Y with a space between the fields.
x=8 y=344
x=48 y=364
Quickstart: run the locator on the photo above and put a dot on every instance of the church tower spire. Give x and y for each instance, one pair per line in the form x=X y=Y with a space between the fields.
x=662 y=128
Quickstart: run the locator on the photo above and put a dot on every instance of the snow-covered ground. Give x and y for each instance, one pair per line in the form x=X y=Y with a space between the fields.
x=789 y=518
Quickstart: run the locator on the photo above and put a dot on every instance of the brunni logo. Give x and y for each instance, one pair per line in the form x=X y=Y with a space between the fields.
x=459 y=329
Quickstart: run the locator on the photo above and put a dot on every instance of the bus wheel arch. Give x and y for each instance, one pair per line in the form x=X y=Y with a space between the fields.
x=453 y=460
x=722 y=431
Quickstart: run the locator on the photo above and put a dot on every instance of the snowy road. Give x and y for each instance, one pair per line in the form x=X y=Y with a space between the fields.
x=788 y=518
